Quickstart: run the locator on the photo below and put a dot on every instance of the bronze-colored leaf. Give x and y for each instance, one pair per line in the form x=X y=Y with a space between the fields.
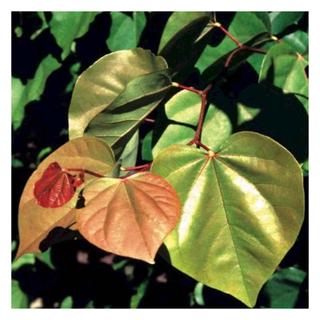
x=35 y=222
x=129 y=216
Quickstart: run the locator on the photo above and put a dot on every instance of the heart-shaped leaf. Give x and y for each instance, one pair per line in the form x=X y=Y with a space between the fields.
x=243 y=207
x=99 y=85
x=35 y=222
x=129 y=216
x=56 y=187
x=285 y=68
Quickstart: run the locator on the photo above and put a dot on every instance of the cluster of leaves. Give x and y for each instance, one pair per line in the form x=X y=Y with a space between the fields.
x=228 y=212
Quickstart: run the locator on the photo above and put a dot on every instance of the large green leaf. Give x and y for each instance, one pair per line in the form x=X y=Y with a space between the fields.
x=117 y=123
x=129 y=216
x=22 y=94
x=283 y=288
x=257 y=31
x=281 y=20
x=103 y=82
x=183 y=111
x=285 y=68
x=125 y=31
x=243 y=207
x=36 y=222
x=68 y=26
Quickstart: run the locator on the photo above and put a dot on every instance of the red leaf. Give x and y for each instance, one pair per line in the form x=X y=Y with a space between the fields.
x=55 y=188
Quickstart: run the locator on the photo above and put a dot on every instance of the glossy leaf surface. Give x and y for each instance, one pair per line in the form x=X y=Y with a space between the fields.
x=299 y=41
x=68 y=26
x=130 y=216
x=35 y=222
x=281 y=20
x=243 y=207
x=22 y=94
x=183 y=110
x=125 y=31
x=103 y=82
x=117 y=123
x=285 y=68
x=56 y=187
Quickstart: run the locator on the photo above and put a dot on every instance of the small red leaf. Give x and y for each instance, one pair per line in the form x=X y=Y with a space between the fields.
x=55 y=188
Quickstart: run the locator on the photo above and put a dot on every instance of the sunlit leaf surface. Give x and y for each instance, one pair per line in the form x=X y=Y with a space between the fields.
x=243 y=206
x=129 y=216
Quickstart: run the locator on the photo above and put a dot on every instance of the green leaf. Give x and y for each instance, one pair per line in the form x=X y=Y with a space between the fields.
x=22 y=94
x=298 y=40
x=285 y=68
x=125 y=31
x=243 y=207
x=67 y=303
x=103 y=82
x=26 y=259
x=44 y=25
x=36 y=222
x=130 y=153
x=283 y=288
x=117 y=123
x=183 y=110
x=19 y=299
x=141 y=290
x=305 y=166
x=16 y=163
x=90 y=305
x=254 y=33
x=281 y=20
x=146 y=148
x=68 y=26
x=130 y=216
x=198 y=294
x=43 y=153
x=181 y=31
x=45 y=257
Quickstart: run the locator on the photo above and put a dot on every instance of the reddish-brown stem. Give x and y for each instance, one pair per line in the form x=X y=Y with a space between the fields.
x=142 y=167
x=239 y=44
x=253 y=49
x=189 y=89
x=85 y=171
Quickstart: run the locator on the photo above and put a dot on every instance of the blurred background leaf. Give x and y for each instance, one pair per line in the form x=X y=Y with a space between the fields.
x=126 y=30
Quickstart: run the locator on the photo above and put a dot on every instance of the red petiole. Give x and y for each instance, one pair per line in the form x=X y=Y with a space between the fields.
x=85 y=171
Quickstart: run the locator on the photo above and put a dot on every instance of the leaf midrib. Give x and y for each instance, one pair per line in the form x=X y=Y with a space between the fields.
x=229 y=225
